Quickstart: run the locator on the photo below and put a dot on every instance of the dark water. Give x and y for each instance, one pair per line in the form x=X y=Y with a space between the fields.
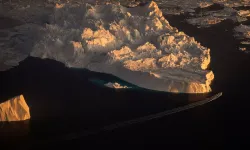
x=63 y=100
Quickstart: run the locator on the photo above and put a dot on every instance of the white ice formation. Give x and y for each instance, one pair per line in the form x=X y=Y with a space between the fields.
x=135 y=44
x=115 y=85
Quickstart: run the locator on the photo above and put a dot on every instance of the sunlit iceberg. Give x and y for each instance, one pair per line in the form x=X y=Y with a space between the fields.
x=135 y=44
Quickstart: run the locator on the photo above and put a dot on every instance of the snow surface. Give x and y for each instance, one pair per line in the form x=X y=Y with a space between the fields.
x=135 y=44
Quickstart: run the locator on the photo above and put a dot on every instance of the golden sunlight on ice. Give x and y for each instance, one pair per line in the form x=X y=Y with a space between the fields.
x=14 y=109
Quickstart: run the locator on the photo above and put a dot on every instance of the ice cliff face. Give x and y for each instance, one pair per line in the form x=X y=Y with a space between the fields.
x=135 y=44
x=14 y=109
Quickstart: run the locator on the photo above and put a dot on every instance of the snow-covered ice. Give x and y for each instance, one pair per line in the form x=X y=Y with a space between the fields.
x=135 y=44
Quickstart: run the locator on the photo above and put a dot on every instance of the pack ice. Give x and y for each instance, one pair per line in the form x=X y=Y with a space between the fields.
x=135 y=44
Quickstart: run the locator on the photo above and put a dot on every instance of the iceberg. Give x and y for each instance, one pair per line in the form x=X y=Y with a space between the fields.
x=14 y=109
x=115 y=85
x=135 y=44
